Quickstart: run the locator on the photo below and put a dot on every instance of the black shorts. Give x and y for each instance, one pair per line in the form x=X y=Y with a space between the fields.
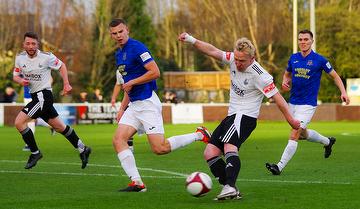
x=227 y=131
x=41 y=105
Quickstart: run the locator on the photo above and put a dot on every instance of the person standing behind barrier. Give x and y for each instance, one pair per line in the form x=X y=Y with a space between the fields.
x=302 y=78
x=33 y=68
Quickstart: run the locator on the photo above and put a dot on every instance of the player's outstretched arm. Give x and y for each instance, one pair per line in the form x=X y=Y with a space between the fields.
x=202 y=46
x=284 y=108
x=340 y=85
x=66 y=84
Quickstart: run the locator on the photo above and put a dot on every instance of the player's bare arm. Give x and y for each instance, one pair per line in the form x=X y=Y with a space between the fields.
x=344 y=97
x=21 y=81
x=286 y=83
x=124 y=103
x=115 y=93
x=284 y=108
x=66 y=84
x=202 y=46
x=152 y=73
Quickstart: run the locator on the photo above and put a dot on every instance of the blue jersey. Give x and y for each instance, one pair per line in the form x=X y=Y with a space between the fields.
x=130 y=61
x=306 y=75
x=27 y=94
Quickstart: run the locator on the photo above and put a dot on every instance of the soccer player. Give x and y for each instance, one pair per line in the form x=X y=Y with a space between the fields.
x=141 y=109
x=116 y=91
x=302 y=76
x=249 y=83
x=33 y=68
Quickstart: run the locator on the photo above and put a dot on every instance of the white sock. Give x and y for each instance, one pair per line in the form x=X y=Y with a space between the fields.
x=127 y=161
x=314 y=136
x=81 y=146
x=183 y=140
x=288 y=153
x=31 y=125
x=41 y=122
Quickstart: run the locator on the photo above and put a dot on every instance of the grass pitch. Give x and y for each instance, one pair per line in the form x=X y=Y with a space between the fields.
x=309 y=181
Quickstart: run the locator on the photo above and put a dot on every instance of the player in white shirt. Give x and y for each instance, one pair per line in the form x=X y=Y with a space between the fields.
x=33 y=68
x=249 y=83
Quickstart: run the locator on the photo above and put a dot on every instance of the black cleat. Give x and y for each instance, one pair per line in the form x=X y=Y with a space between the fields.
x=84 y=156
x=133 y=187
x=328 y=148
x=33 y=158
x=273 y=168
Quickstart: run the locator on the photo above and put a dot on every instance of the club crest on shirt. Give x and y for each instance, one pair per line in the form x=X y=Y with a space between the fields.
x=310 y=62
x=24 y=66
x=246 y=82
x=40 y=65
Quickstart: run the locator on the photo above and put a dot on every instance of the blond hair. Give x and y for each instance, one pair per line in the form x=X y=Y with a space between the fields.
x=244 y=45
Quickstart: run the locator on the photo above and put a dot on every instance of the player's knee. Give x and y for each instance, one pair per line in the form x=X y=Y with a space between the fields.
x=208 y=154
x=20 y=125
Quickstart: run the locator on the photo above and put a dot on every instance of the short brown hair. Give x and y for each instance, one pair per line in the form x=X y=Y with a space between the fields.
x=31 y=34
x=116 y=22
x=306 y=31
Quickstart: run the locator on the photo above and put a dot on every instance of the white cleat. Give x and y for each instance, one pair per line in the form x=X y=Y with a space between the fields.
x=228 y=192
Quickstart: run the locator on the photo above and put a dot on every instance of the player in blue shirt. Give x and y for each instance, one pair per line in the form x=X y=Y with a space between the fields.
x=141 y=109
x=302 y=77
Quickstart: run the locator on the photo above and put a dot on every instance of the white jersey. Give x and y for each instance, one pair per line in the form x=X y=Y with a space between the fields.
x=37 y=69
x=248 y=88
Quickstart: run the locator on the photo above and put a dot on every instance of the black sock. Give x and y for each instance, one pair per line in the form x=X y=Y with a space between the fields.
x=29 y=139
x=217 y=168
x=232 y=169
x=130 y=142
x=70 y=134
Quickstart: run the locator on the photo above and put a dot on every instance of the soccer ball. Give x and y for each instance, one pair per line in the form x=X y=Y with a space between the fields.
x=198 y=184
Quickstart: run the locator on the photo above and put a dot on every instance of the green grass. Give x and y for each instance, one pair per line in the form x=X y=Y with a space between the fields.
x=309 y=181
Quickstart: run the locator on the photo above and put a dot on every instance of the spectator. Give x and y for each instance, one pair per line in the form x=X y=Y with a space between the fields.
x=10 y=95
x=170 y=97
x=83 y=97
x=97 y=97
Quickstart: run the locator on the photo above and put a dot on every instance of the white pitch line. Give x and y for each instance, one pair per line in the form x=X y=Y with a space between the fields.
x=350 y=134
x=81 y=174
x=174 y=174
x=101 y=165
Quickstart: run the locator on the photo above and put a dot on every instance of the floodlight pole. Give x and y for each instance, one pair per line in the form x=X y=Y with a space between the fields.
x=312 y=22
x=295 y=26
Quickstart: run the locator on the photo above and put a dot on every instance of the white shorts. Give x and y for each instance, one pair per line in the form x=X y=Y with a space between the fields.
x=303 y=113
x=145 y=116
x=27 y=101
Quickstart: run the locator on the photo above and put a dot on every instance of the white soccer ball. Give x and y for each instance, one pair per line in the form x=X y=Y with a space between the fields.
x=198 y=184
